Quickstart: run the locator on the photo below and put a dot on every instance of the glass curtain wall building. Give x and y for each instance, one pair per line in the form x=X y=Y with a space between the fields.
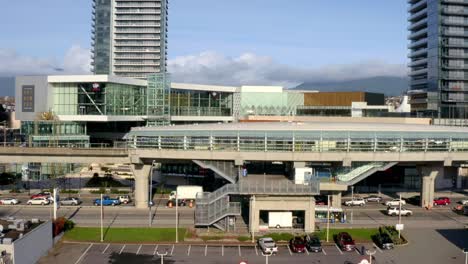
x=129 y=37
x=438 y=34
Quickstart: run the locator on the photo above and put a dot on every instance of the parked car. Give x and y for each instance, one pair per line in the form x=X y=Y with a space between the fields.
x=267 y=245
x=463 y=202
x=313 y=243
x=394 y=211
x=70 y=201
x=442 y=201
x=106 y=201
x=395 y=202
x=41 y=194
x=320 y=200
x=125 y=199
x=345 y=241
x=38 y=201
x=355 y=202
x=373 y=198
x=297 y=245
x=384 y=241
x=10 y=201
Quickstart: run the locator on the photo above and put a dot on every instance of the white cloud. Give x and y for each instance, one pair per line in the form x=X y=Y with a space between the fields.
x=248 y=68
x=76 y=61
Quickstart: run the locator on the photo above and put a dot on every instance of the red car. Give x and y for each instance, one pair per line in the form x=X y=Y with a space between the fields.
x=297 y=245
x=442 y=201
x=345 y=241
x=41 y=195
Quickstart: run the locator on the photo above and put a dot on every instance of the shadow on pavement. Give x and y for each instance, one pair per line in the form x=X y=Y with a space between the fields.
x=125 y=258
x=458 y=237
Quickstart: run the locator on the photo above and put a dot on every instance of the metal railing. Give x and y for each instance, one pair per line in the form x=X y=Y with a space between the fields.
x=225 y=169
x=270 y=187
x=209 y=214
x=65 y=144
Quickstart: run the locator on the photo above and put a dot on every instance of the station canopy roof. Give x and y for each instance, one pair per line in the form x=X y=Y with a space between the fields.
x=312 y=129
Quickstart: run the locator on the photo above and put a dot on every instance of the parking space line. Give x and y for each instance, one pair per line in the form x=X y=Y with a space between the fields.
x=341 y=252
x=172 y=250
x=324 y=252
x=376 y=247
x=155 y=249
x=206 y=249
x=84 y=253
x=256 y=251
x=290 y=253
x=357 y=251
x=239 y=251
x=188 y=250
x=104 y=251
x=138 y=251
x=222 y=250
x=122 y=249
x=307 y=251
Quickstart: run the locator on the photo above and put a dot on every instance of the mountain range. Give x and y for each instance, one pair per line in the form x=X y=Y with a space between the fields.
x=7 y=86
x=388 y=85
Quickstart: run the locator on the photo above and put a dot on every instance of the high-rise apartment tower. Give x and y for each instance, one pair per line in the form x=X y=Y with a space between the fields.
x=129 y=37
x=438 y=34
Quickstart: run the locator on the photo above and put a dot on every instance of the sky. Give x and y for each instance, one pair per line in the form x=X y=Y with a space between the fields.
x=221 y=41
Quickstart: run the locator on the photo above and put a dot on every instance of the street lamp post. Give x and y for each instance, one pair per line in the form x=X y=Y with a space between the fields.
x=328 y=216
x=370 y=253
x=150 y=193
x=161 y=256
x=177 y=218
x=465 y=251
x=399 y=219
x=267 y=255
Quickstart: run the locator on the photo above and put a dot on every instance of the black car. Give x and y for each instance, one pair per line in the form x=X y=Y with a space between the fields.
x=384 y=241
x=313 y=243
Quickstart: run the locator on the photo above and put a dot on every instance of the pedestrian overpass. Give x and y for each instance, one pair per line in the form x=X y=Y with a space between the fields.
x=223 y=148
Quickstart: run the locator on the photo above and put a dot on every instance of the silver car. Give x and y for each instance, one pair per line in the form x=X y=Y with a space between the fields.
x=70 y=201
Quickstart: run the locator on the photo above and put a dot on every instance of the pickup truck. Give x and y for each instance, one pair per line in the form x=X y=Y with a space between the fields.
x=107 y=201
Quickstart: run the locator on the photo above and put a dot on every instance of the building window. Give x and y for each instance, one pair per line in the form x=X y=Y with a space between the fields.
x=28 y=98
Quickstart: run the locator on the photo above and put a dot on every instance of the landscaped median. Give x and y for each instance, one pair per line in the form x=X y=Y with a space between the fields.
x=124 y=235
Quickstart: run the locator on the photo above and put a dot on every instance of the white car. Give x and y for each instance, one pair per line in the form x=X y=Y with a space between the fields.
x=268 y=245
x=394 y=211
x=356 y=202
x=10 y=201
x=125 y=199
x=38 y=201
x=464 y=202
x=395 y=202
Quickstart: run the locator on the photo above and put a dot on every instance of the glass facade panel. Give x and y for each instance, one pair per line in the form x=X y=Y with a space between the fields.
x=201 y=103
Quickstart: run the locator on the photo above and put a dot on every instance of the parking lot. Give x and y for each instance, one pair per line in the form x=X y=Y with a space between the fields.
x=81 y=253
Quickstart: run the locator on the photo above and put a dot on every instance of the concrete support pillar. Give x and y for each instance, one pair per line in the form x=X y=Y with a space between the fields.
x=429 y=175
x=335 y=198
x=309 y=221
x=254 y=215
x=141 y=174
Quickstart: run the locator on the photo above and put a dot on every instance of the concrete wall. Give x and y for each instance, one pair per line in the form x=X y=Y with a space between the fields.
x=42 y=96
x=33 y=245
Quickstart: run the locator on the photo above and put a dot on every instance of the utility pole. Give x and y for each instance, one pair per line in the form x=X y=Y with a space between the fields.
x=399 y=219
x=55 y=203
x=328 y=216
x=150 y=200
x=102 y=216
x=465 y=250
x=177 y=218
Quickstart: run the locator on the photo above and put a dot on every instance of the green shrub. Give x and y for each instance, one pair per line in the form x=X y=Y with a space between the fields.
x=243 y=238
x=206 y=238
x=393 y=233
x=69 y=224
x=101 y=190
x=117 y=191
x=280 y=236
x=69 y=191
x=15 y=190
